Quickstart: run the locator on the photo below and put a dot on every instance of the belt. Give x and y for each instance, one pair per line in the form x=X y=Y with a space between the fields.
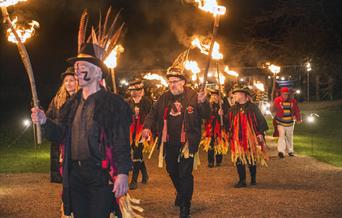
x=85 y=163
x=104 y=164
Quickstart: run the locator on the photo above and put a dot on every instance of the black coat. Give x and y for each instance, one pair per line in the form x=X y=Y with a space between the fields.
x=194 y=113
x=113 y=116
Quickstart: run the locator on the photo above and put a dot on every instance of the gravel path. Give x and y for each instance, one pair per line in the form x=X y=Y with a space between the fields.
x=291 y=187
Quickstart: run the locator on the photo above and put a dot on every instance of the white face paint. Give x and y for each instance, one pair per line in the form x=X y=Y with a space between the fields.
x=87 y=73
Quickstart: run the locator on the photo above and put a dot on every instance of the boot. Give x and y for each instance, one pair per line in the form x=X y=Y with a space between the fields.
x=133 y=185
x=144 y=173
x=184 y=212
x=242 y=176
x=252 y=170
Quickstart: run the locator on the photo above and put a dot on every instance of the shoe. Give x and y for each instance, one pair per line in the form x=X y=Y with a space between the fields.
x=253 y=181
x=281 y=155
x=211 y=165
x=177 y=201
x=184 y=212
x=291 y=154
x=240 y=185
x=218 y=164
x=133 y=185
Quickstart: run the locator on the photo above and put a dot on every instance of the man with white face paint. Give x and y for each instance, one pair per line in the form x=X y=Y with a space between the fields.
x=177 y=116
x=94 y=126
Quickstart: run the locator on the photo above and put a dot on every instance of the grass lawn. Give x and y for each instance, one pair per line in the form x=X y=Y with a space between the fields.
x=18 y=153
x=321 y=139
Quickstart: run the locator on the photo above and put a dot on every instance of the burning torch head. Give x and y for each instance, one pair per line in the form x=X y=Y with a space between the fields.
x=91 y=53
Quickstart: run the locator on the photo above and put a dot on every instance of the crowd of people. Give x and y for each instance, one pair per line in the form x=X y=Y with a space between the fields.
x=98 y=138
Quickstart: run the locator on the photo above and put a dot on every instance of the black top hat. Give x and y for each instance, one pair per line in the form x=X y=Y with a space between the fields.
x=136 y=84
x=93 y=54
x=69 y=71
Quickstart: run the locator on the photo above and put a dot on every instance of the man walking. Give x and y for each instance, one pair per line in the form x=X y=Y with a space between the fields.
x=177 y=116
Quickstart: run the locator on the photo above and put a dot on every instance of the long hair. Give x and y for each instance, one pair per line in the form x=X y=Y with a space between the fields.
x=62 y=95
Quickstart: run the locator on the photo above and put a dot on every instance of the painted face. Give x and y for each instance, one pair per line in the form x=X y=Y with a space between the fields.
x=240 y=97
x=87 y=73
x=70 y=83
x=176 y=85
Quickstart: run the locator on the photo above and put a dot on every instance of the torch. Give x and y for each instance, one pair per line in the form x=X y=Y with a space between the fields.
x=212 y=7
x=24 y=57
x=111 y=63
x=231 y=73
x=275 y=70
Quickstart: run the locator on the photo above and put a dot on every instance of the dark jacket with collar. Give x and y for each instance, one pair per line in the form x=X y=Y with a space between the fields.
x=112 y=115
x=194 y=113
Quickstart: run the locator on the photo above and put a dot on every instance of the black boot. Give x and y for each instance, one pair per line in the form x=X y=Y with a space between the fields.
x=184 y=212
x=252 y=170
x=144 y=173
x=242 y=176
x=133 y=185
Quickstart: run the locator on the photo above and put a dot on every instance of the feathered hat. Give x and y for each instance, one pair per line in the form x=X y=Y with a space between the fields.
x=177 y=68
x=100 y=43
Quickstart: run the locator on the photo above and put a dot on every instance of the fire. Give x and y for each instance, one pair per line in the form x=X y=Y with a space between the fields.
x=154 y=76
x=274 y=68
x=222 y=79
x=22 y=32
x=192 y=66
x=211 y=6
x=7 y=3
x=111 y=60
x=230 y=72
x=259 y=86
x=204 y=48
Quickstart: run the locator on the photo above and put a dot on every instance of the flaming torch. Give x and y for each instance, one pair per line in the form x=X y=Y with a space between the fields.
x=111 y=62
x=231 y=73
x=212 y=7
x=20 y=36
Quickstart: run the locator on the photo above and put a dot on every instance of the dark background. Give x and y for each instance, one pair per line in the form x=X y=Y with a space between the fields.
x=156 y=31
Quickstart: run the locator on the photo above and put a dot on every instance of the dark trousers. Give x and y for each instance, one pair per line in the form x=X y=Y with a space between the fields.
x=180 y=172
x=211 y=153
x=242 y=171
x=138 y=162
x=91 y=194
x=55 y=176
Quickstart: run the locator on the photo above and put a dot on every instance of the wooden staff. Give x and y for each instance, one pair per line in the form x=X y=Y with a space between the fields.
x=112 y=72
x=220 y=94
x=28 y=67
x=215 y=28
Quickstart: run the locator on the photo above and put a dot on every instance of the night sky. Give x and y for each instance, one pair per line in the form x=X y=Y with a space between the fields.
x=156 y=32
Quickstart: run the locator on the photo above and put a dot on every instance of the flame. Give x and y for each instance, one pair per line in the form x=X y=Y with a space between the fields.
x=111 y=60
x=211 y=6
x=222 y=79
x=204 y=48
x=7 y=3
x=154 y=76
x=230 y=72
x=274 y=68
x=192 y=66
x=22 y=32
x=259 y=86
